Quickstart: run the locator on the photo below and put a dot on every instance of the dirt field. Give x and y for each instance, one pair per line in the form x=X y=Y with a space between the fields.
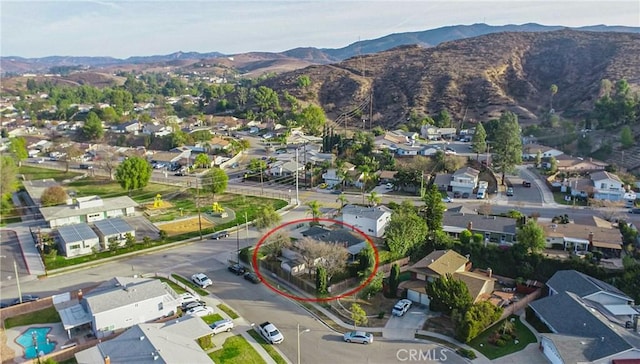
x=183 y=226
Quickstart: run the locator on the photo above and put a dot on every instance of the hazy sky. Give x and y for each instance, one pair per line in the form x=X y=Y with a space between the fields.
x=129 y=27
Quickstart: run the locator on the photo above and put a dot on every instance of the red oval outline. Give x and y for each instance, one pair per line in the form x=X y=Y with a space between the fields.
x=254 y=261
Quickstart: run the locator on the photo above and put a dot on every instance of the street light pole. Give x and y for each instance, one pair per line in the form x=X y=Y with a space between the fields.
x=306 y=330
x=15 y=268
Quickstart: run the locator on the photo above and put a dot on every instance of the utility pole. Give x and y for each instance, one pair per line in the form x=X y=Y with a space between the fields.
x=261 y=181
x=198 y=207
x=237 y=243
x=297 y=179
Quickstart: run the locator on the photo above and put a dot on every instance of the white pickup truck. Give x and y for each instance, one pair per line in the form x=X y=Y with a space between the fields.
x=270 y=332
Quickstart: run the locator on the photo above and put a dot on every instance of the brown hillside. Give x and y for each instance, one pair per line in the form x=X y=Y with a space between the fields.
x=484 y=75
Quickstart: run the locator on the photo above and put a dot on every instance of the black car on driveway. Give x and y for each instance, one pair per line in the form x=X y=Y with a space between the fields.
x=252 y=277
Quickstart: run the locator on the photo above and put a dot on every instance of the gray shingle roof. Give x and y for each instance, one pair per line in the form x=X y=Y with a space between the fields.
x=76 y=232
x=567 y=314
x=336 y=236
x=57 y=212
x=113 y=226
x=373 y=213
x=123 y=291
x=495 y=224
x=580 y=284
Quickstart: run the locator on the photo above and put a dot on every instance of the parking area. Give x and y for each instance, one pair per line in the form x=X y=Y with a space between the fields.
x=143 y=227
x=529 y=195
x=404 y=327
x=10 y=252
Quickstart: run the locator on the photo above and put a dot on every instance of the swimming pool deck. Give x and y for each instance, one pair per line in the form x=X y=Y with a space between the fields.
x=57 y=335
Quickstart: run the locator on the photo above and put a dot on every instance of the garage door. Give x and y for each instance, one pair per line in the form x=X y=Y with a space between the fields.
x=418 y=297
x=550 y=352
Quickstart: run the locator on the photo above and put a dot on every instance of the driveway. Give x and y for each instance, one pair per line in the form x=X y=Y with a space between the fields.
x=143 y=227
x=405 y=327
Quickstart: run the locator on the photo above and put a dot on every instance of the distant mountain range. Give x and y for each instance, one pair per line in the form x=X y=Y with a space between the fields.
x=428 y=38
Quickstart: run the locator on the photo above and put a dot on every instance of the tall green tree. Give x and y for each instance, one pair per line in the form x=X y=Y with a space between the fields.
x=554 y=90
x=531 y=237
x=405 y=232
x=312 y=118
x=394 y=279
x=314 y=209
x=478 y=317
x=626 y=137
x=448 y=294
x=134 y=173
x=202 y=160
x=8 y=182
x=54 y=195
x=366 y=261
x=322 y=281
x=443 y=120
x=18 y=147
x=358 y=315
x=92 y=128
x=507 y=147
x=434 y=208
x=265 y=98
x=216 y=181
x=479 y=140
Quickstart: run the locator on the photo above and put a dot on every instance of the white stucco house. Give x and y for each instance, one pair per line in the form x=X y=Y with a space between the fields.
x=607 y=186
x=331 y=177
x=530 y=151
x=115 y=228
x=371 y=220
x=124 y=301
x=88 y=209
x=464 y=180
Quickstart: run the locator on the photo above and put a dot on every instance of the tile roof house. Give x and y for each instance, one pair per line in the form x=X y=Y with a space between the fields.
x=446 y=262
x=171 y=342
x=582 y=238
x=529 y=151
x=370 y=220
x=572 y=164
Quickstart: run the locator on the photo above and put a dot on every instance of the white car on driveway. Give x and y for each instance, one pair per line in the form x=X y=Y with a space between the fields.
x=222 y=326
x=401 y=307
x=200 y=311
x=201 y=280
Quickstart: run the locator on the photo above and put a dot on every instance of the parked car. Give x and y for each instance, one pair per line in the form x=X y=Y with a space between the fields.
x=219 y=235
x=510 y=191
x=270 y=332
x=389 y=186
x=237 y=269
x=465 y=195
x=180 y=173
x=526 y=184
x=634 y=211
x=192 y=305
x=252 y=277
x=447 y=199
x=201 y=280
x=86 y=166
x=457 y=194
x=187 y=297
x=222 y=326
x=360 y=337
x=200 y=311
x=401 y=307
x=25 y=298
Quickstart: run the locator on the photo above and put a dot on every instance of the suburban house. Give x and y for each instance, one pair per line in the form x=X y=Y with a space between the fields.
x=156 y=129
x=573 y=164
x=88 y=209
x=411 y=135
x=407 y=150
x=123 y=302
x=391 y=141
x=530 y=151
x=607 y=186
x=432 y=133
x=370 y=220
x=386 y=176
x=331 y=177
x=597 y=322
x=440 y=263
x=132 y=126
x=582 y=238
x=353 y=241
x=115 y=228
x=77 y=239
x=172 y=157
x=217 y=143
x=496 y=229
x=442 y=181
x=285 y=168
x=171 y=342
x=464 y=180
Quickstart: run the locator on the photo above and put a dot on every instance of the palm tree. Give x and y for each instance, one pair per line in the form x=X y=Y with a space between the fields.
x=374 y=199
x=343 y=201
x=314 y=207
x=365 y=177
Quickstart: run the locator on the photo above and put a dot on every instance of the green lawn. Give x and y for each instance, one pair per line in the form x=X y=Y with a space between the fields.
x=228 y=311
x=491 y=351
x=173 y=285
x=209 y=319
x=106 y=188
x=236 y=350
x=45 y=316
x=269 y=348
x=37 y=173
x=191 y=285
x=559 y=198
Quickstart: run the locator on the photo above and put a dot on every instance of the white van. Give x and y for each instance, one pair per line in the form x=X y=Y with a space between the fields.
x=481 y=194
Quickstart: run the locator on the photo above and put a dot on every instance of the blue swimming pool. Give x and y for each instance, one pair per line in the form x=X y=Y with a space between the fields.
x=34 y=340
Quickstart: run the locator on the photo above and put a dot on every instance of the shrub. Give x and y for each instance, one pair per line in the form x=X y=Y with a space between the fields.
x=467 y=353
x=381 y=314
x=501 y=343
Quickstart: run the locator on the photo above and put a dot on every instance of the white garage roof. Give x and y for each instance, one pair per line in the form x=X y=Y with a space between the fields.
x=621 y=310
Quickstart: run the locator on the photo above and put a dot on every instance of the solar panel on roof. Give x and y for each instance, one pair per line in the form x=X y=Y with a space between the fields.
x=113 y=226
x=77 y=232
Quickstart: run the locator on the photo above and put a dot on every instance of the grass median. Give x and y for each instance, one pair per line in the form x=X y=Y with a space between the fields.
x=269 y=348
x=235 y=350
x=190 y=284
